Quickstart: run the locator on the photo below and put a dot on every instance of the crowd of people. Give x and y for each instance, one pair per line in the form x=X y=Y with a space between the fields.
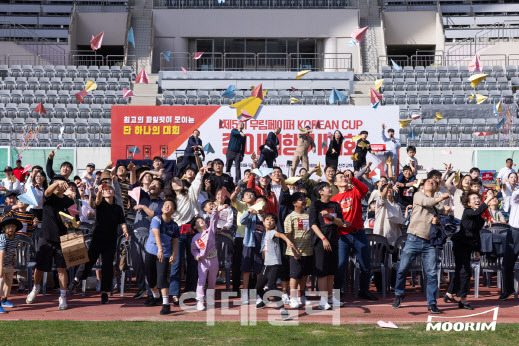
x=281 y=230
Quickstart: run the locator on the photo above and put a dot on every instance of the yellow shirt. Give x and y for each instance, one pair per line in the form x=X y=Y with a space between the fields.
x=298 y=226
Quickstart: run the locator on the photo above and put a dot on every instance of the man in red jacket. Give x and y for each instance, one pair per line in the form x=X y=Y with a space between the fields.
x=349 y=198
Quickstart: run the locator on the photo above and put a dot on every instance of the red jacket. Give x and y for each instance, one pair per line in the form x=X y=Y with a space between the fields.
x=272 y=201
x=350 y=202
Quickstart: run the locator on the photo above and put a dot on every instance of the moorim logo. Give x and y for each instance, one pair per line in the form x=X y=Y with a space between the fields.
x=454 y=325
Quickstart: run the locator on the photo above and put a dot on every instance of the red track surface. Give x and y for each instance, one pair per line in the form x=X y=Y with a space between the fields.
x=413 y=309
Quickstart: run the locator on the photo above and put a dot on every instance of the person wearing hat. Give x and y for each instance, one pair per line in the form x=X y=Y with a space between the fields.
x=48 y=245
x=8 y=244
x=10 y=183
x=18 y=171
x=304 y=142
x=109 y=216
x=11 y=198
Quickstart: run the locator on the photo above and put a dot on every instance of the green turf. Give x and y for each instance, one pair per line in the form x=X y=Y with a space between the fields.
x=152 y=333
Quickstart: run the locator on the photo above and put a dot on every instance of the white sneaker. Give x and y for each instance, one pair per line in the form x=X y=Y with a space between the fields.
x=294 y=303
x=286 y=299
x=323 y=305
x=334 y=302
x=31 y=297
x=62 y=303
x=245 y=298
x=200 y=306
x=258 y=300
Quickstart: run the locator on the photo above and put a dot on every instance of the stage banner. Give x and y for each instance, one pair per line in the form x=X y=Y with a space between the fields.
x=160 y=130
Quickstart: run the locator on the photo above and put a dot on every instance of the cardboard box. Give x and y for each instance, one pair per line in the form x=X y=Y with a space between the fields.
x=74 y=248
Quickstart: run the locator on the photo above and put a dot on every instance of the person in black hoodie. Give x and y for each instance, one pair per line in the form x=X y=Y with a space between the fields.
x=269 y=151
x=334 y=150
x=194 y=147
x=465 y=241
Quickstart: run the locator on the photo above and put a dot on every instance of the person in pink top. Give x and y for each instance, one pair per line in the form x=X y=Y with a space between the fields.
x=203 y=248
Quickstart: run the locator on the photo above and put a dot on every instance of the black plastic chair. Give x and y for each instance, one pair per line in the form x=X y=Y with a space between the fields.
x=25 y=253
x=379 y=249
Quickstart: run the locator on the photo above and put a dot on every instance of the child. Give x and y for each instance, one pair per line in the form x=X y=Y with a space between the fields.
x=272 y=254
x=252 y=261
x=297 y=228
x=370 y=216
x=226 y=216
x=495 y=214
x=361 y=150
x=207 y=207
x=411 y=160
x=27 y=218
x=8 y=244
x=203 y=248
x=10 y=201
x=164 y=233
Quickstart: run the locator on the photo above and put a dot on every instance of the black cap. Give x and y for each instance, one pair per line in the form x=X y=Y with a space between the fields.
x=12 y=193
x=11 y=221
x=58 y=177
x=8 y=168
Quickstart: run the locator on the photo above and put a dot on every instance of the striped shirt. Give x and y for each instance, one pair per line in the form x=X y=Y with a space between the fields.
x=9 y=246
x=125 y=186
x=298 y=226
x=25 y=217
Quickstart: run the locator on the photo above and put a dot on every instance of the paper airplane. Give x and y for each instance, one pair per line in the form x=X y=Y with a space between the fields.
x=415 y=116
x=336 y=96
x=293 y=100
x=292 y=180
x=438 y=117
x=418 y=183
x=480 y=98
x=501 y=123
x=142 y=77
x=457 y=177
x=404 y=123
x=72 y=210
x=29 y=197
x=378 y=84
x=396 y=67
x=358 y=35
x=355 y=157
x=26 y=169
x=90 y=86
x=127 y=93
x=483 y=134
x=260 y=205
x=258 y=92
x=363 y=145
x=130 y=38
x=244 y=116
x=262 y=172
x=476 y=79
x=80 y=95
x=352 y=43
x=301 y=74
x=40 y=109
x=498 y=108
x=475 y=65
x=250 y=105
x=183 y=70
x=293 y=89
x=166 y=55
x=135 y=193
x=319 y=171
x=97 y=41
x=208 y=148
x=329 y=135
x=229 y=93
x=356 y=138
x=375 y=96
x=446 y=152
x=375 y=106
x=324 y=145
x=412 y=134
x=198 y=55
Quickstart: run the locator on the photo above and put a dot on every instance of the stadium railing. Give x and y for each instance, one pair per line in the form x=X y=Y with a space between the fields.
x=258 y=4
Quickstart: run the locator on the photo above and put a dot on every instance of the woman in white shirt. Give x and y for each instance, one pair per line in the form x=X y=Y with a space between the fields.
x=388 y=215
x=507 y=189
x=458 y=192
x=38 y=180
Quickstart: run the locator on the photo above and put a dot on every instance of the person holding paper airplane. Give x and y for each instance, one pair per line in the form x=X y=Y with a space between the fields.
x=392 y=146
x=304 y=142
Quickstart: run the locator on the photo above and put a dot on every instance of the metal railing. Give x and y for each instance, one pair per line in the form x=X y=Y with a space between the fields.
x=439 y=59
x=257 y=62
x=256 y=4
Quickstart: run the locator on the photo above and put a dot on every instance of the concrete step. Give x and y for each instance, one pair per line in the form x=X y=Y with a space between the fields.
x=360 y=100
x=146 y=94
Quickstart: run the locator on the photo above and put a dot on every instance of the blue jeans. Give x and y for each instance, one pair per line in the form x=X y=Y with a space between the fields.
x=184 y=249
x=358 y=241
x=415 y=246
